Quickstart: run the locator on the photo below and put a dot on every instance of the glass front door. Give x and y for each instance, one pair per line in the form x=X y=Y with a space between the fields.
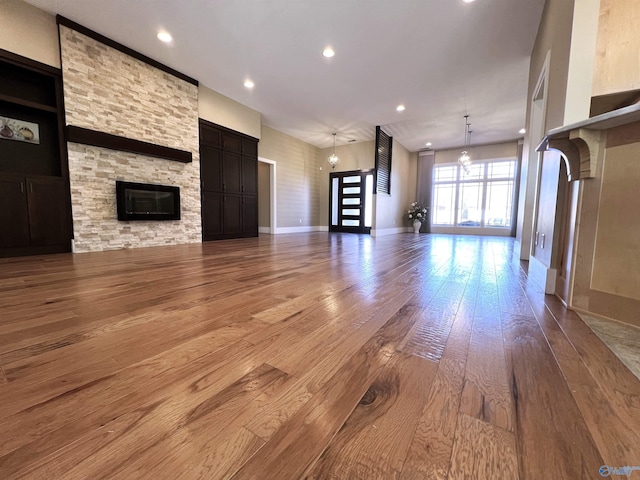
x=351 y=201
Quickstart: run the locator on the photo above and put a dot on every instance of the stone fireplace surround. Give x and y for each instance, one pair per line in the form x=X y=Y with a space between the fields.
x=109 y=91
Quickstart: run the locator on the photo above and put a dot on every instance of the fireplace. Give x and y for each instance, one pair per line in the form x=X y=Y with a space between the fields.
x=143 y=201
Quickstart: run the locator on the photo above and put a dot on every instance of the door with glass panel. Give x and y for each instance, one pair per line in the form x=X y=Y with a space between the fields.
x=351 y=195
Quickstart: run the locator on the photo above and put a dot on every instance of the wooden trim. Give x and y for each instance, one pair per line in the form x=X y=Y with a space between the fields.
x=26 y=251
x=122 y=48
x=123 y=144
x=623 y=135
x=207 y=123
x=28 y=103
x=29 y=63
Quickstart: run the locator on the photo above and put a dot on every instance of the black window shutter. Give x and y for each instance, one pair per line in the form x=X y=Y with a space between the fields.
x=384 y=145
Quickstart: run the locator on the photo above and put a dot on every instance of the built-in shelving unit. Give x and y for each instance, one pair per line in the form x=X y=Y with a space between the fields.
x=34 y=176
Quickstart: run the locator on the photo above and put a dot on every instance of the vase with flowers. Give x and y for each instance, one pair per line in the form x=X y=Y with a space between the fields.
x=417 y=214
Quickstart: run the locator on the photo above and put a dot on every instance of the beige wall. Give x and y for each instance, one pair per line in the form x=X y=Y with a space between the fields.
x=617 y=62
x=217 y=108
x=389 y=210
x=29 y=31
x=299 y=178
x=553 y=41
x=616 y=260
x=353 y=156
x=607 y=272
x=481 y=152
x=264 y=195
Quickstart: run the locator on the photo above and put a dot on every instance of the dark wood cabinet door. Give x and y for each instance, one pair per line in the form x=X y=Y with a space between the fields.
x=231 y=143
x=229 y=181
x=210 y=136
x=14 y=217
x=250 y=147
x=48 y=211
x=212 y=223
x=249 y=175
x=231 y=173
x=232 y=214
x=250 y=214
x=211 y=169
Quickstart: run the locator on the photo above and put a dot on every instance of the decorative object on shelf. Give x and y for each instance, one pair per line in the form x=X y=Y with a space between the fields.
x=417 y=214
x=333 y=158
x=12 y=129
x=465 y=160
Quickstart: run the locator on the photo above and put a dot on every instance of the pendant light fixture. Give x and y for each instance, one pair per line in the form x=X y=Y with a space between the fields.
x=465 y=160
x=333 y=158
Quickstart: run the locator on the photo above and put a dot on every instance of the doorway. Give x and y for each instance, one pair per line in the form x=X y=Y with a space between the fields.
x=530 y=169
x=351 y=196
x=266 y=196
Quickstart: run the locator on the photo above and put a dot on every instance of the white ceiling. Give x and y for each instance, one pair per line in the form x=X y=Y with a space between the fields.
x=440 y=58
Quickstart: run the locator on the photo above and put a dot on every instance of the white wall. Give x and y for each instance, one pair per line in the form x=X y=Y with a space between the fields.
x=584 y=37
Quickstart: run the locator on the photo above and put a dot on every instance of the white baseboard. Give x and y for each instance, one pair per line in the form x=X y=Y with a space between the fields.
x=544 y=277
x=390 y=231
x=306 y=229
x=264 y=229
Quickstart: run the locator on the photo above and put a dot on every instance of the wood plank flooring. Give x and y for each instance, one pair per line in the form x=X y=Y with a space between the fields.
x=324 y=356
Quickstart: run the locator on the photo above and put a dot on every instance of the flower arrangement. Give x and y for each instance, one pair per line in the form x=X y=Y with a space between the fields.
x=417 y=212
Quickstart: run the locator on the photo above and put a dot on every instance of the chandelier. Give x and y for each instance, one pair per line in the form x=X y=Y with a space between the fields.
x=333 y=158
x=465 y=160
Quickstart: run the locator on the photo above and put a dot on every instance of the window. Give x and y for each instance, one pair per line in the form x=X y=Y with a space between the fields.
x=482 y=198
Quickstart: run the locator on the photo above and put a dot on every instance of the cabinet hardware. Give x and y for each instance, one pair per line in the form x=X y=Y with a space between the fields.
x=21 y=187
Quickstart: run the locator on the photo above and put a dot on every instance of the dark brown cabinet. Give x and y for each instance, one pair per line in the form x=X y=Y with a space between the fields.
x=34 y=213
x=229 y=183
x=14 y=214
x=48 y=219
x=35 y=200
x=231 y=173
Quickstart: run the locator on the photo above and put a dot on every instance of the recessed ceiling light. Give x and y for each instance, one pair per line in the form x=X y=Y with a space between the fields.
x=522 y=131
x=328 y=52
x=467 y=1
x=400 y=108
x=429 y=144
x=248 y=84
x=165 y=37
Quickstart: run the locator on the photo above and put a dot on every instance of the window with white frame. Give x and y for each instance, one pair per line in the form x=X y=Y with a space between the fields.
x=480 y=198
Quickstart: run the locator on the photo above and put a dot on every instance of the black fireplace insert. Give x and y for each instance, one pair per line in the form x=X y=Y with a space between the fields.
x=143 y=201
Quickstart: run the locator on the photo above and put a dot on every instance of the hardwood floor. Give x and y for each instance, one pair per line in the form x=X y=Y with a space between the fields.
x=328 y=356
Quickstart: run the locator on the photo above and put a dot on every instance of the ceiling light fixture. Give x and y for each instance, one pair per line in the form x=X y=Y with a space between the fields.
x=400 y=108
x=467 y=1
x=429 y=144
x=248 y=84
x=165 y=37
x=328 y=52
x=333 y=158
x=465 y=160
x=522 y=131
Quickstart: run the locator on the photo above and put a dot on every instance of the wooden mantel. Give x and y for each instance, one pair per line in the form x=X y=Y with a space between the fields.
x=582 y=143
